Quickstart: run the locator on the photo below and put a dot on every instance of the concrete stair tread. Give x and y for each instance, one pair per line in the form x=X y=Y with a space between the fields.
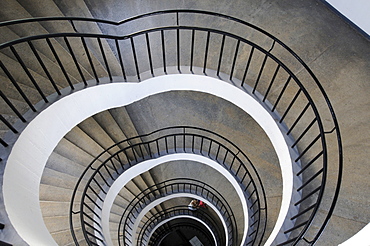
x=11 y=119
x=65 y=237
x=55 y=178
x=54 y=208
x=110 y=126
x=73 y=152
x=53 y=193
x=83 y=141
x=79 y=8
x=21 y=77
x=123 y=120
x=61 y=164
x=93 y=129
x=36 y=28
x=57 y=224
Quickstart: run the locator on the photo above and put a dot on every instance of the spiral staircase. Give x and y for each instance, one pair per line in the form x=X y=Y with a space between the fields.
x=109 y=130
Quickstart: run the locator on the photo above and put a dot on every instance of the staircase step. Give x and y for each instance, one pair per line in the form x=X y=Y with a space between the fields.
x=87 y=27
x=58 y=223
x=65 y=237
x=59 y=179
x=24 y=30
x=53 y=193
x=97 y=133
x=83 y=141
x=74 y=153
x=114 y=218
x=79 y=8
x=117 y=209
x=120 y=200
x=124 y=121
x=61 y=48
x=82 y=242
x=54 y=208
x=18 y=73
x=45 y=54
x=65 y=165
x=2 y=132
x=110 y=126
x=11 y=119
x=25 y=86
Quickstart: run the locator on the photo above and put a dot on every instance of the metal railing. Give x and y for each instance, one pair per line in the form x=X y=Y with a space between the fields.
x=152 y=224
x=173 y=186
x=165 y=230
x=101 y=173
x=183 y=41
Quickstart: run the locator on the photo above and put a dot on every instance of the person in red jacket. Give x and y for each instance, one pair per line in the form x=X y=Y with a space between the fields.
x=202 y=204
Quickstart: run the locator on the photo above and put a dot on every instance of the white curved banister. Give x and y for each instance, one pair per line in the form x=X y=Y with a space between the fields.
x=145 y=166
x=29 y=155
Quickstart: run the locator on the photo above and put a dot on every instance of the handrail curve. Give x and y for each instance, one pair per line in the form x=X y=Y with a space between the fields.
x=270 y=80
x=181 y=139
x=147 y=230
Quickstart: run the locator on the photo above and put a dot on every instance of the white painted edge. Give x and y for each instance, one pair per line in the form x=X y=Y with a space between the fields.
x=356 y=11
x=361 y=238
x=144 y=166
x=30 y=153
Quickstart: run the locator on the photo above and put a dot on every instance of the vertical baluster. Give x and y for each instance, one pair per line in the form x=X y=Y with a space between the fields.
x=59 y=63
x=120 y=59
x=209 y=149
x=75 y=60
x=165 y=140
x=105 y=59
x=178 y=48
x=298 y=118
x=11 y=105
x=192 y=50
x=149 y=53
x=135 y=58
x=17 y=86
x=2 y=119
x=29 y=75
x=271 y=83
x=290 y=105
x=304 y=132
x=206 y=52
x=220 y=56
x=44 y=67
x=234 y=60
x=3 y=143
x=89 y=59
x=260 y=73
x=163 y=52
x=247 y=66
x=149 y=150
x=281 y=93
x=174 y=140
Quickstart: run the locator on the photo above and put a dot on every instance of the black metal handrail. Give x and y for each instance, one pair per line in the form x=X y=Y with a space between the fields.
x=147 y=229
x=173 y=186
x=181 y=139
x=164 y=230
x=269 y=82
